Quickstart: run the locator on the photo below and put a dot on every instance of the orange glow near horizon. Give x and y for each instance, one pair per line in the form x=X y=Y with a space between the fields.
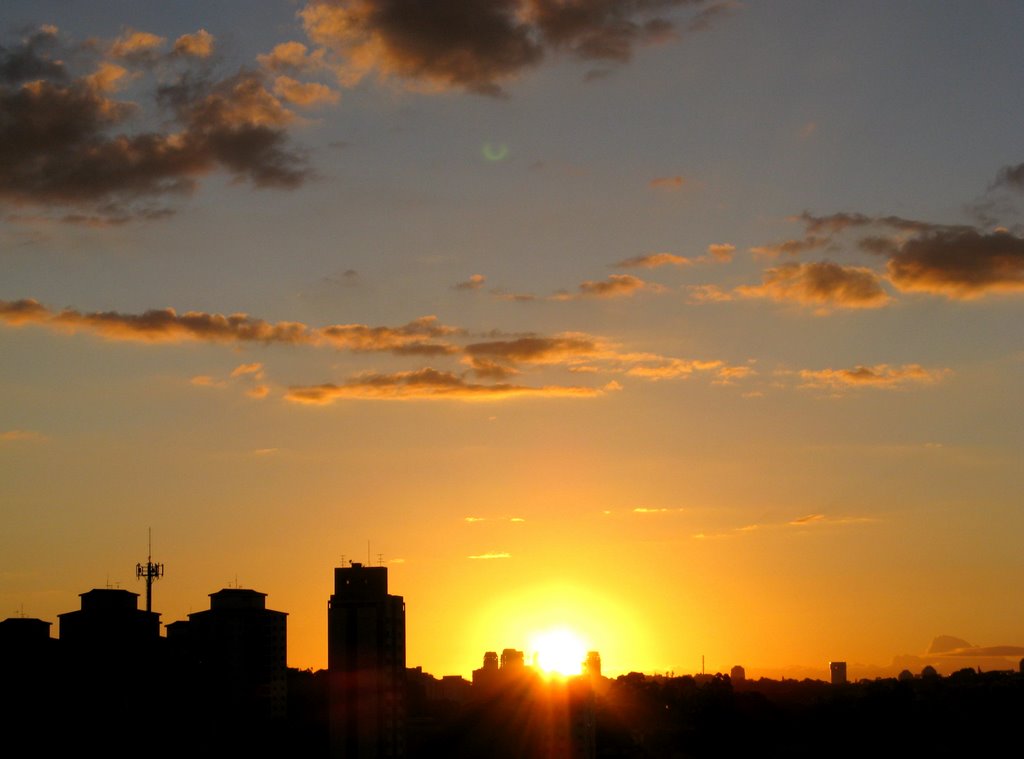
x=557 y=624
x=559 y=651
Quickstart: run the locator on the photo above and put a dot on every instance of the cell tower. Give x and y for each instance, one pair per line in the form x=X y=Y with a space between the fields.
x=150 y=572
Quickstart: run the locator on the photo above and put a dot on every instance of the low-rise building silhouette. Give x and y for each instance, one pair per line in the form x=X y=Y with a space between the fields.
x=109 y=623
x=238 y=652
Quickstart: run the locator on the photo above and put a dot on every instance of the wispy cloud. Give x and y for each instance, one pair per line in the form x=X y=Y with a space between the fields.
x=808 y=519
x=475 y=282
x=615 y=286
x=22 y=436
x=653 y=261
x=879 y=375
x=487 y=556
x=669 y=184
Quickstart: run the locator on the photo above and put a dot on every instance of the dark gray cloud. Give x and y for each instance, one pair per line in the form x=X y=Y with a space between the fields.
x=478 y=45
x=959 y=264
x=33 y=58
x=1011 y=176
x=954 y=260
x=66 y=142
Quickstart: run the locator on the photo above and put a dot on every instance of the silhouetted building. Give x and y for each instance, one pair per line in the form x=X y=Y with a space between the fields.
x=20 y=632
x=592 y=665
x=737 y=674
x=486 y=678
x=26 y=652
x=112 y=664
x=109 y=623
x=366 y=665
x=512 y=660
x=837 y=669
x=238 y=650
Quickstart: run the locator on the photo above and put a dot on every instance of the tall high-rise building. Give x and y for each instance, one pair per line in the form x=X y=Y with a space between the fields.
x=366 y=665
x=837 y=669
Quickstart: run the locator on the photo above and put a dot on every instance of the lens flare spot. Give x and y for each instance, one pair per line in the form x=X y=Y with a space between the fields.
x=495 y=151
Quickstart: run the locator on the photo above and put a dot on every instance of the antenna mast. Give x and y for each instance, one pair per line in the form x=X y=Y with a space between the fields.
x=150 y=572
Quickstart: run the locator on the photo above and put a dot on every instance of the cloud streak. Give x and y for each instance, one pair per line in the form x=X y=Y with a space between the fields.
x=880 y=376
x=418 y=337
x=426 y=384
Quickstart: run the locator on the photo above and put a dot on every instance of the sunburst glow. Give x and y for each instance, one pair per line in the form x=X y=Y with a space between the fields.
x=559 y=651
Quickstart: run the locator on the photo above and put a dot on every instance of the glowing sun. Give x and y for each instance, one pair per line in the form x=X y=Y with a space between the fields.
x=559 y=651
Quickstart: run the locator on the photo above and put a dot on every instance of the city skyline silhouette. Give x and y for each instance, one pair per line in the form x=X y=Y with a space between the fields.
x=218 y=683
x=680 y=331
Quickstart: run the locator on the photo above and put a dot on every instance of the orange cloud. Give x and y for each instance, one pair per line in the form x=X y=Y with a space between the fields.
x=424 y=384
x=567 y=348
x=305 y=94
x=485 y=556
x=790 y=247
x=475 y=282
x=721 y=251
x=22 y=436
x=822 y=284
x=413 y=338
x=670 y=184
x=672 y=368
x=810 y=518
x=157 y=325
x=880 y=375
x=653 y=261
x=198 y=44
x=615 y=286
x=418 y=337
x=292 y=57
x=255 y=369
x=107 y=77
x=708 y=294
x=133 y=44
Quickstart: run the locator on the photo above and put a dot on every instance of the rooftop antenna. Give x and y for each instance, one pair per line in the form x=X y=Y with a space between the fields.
x=368 y=563
x=150 y=572
x=342 y=560
x=380 y=560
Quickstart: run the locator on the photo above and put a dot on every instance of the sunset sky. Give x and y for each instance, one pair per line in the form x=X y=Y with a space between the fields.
x=693 y=327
